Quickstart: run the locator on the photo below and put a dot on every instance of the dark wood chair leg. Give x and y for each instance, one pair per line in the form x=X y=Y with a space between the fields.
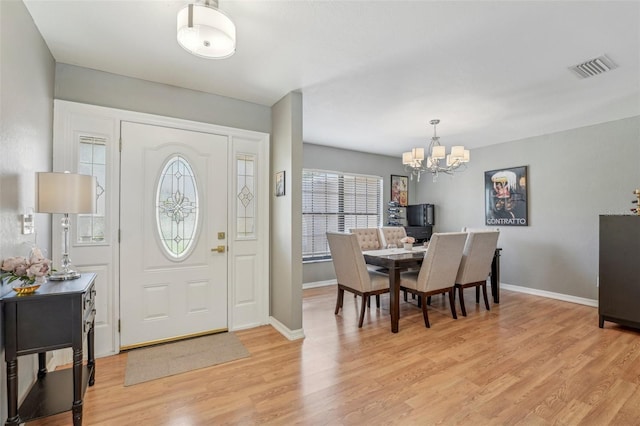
x=378 y=301
x=339 y=301
x=368 y=301
x=462 y=306
x=405 y=295
x=477 y=294
x=419 y=301
x=486 y=299
x=363 y=307
x=452 y=303
x=428 y=300
x=424 y=311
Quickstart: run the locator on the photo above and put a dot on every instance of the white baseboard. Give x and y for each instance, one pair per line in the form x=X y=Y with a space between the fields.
x=315 y=284
x=284 y=330
x=62 y=357
x=550 y=295
x=52 y=364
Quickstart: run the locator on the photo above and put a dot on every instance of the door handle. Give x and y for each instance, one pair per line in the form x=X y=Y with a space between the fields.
x=219 y=249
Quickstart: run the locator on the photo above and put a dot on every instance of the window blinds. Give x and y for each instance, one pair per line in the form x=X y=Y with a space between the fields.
x=333 y=201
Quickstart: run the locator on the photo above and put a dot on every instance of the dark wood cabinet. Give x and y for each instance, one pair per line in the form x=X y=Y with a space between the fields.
x=59 y=315
x=619 y=270
x=420 y=233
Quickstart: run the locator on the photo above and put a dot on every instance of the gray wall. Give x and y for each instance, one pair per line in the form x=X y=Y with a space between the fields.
x=26 y=123
x=342 y=160
x=574 y=176
x=286 y=215
x=89 y=86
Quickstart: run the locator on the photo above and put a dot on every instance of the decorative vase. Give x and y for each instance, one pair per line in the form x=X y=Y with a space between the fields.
x=408 y=246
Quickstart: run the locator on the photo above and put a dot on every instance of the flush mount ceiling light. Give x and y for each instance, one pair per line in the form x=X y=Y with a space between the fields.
x=415 y=163
x=205 y=31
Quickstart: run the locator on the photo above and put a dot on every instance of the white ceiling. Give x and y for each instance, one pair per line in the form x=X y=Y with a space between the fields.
x=373 y=73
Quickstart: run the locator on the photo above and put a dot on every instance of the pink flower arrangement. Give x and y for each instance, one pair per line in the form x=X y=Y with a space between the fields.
x=407 y=240
x=28 y=270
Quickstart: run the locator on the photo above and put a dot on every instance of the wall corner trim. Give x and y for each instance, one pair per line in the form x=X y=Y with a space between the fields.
x=284 y=330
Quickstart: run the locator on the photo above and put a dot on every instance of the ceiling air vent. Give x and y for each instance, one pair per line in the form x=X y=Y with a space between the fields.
x=593 y=67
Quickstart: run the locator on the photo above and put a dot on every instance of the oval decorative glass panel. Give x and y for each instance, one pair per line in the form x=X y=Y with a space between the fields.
x=177 y=207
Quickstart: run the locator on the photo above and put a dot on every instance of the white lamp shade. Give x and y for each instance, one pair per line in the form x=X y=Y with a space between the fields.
x=407 y=158
x=206 y=32
x=418 y=154
x=457 y=152
x=467 y=156
x=450 y=160
x=438 y=152
x=65 y=193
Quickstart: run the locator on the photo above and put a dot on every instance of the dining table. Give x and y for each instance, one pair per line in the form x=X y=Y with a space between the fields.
x=396 y=260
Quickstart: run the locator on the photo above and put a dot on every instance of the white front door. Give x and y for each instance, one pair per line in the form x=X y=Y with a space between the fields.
x=173 y=230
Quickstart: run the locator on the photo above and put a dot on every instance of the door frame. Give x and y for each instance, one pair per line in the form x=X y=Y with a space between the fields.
x=65 y=135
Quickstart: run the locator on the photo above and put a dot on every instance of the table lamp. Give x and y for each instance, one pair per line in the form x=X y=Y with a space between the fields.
x=65 y=193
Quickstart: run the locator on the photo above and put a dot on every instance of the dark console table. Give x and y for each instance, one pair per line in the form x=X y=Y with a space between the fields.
x=57 y=316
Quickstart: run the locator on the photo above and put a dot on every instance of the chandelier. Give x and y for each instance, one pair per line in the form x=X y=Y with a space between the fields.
x=415 y=163
x=205 y=31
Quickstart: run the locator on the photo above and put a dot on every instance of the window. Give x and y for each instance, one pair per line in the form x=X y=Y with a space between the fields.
x=92 y=160
x=337 y=202
x=177 y=207
x=245 y=197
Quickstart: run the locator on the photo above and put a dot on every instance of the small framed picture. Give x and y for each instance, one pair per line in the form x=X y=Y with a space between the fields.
x=280 y=184
x=400 y=190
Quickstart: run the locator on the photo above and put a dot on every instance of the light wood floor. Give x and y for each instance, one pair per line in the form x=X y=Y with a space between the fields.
x=529 y=361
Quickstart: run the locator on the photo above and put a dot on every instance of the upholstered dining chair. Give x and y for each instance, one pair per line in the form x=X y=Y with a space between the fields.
x=478 y=229
x=438 y=271
x=475 y=265
x=352 y=272
x=391 y=235
x=368 y=238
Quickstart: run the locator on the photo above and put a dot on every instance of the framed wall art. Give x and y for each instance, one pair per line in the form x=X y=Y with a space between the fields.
x=505 y=197
x=280 y=184
x=400 y=190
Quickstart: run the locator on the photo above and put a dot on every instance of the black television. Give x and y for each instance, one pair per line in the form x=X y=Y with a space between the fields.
x=421 y=215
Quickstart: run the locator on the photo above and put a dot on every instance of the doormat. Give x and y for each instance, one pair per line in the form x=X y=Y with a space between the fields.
x=168 y=359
